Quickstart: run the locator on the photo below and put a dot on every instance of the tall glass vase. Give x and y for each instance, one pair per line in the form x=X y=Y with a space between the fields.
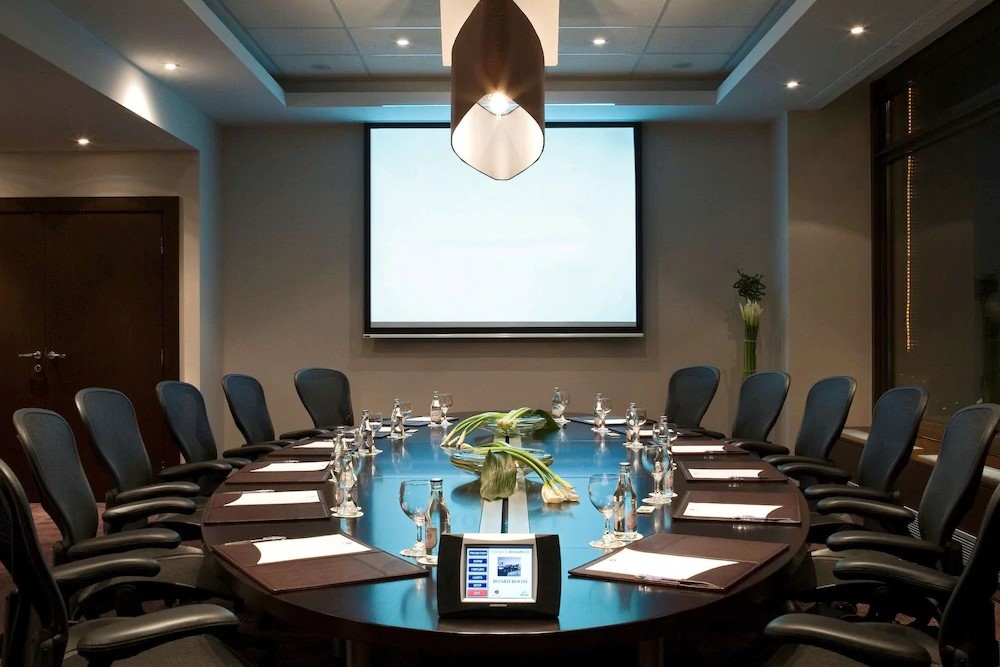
x=749 y=349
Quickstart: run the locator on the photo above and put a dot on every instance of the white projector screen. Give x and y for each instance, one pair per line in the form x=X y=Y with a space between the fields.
x=551 y=252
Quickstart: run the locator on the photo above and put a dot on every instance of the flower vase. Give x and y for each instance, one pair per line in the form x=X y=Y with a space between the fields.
x=749 y=351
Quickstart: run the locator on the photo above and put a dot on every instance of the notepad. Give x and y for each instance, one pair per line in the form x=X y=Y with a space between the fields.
x=657 y=567
x=698 y=449
x=728 y=510
x=304 y=466
x=417 y=421
x=275 y=498
x=723 y=473
x=320 y=444
x=645 y=433
x=281 y=551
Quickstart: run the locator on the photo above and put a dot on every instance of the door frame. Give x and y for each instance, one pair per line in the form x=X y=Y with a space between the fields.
x=169 y=210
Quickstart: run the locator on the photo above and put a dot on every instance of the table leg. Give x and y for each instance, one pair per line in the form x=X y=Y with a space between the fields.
x=650 y=653
x=358 y=654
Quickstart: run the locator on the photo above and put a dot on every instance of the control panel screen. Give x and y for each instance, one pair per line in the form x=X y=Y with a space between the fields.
x=498 y=573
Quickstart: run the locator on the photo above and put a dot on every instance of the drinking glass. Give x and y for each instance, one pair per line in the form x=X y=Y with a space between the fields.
x=636 y=444
x=413 y=497
x=602 y=409
x=661 y=430
x=447 y=400
x=406 y=407
x=564 y=403
x=347 y=479
x=374 y=423
x=601 y=489
x=653 y=462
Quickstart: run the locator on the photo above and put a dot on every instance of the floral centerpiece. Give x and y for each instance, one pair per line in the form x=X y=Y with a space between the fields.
x=751 y=290
x=501 y=461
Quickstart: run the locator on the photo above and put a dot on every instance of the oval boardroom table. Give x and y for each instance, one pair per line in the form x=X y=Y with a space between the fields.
x=402 y=616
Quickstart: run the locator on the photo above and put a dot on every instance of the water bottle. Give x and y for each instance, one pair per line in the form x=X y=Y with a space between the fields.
x=437 y=521
x=436 y=413
x=366 y=436
x=557 y=404
x=625 y=516
x=396 y=428
x=631 y=424
x=598 y=408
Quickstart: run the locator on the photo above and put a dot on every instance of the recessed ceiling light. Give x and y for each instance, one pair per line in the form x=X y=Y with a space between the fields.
x=402 y=41
x=792 y=84
x=83 y=141
x=600 y=41
x=171 y=66
x=682 y=65
x=857 y=30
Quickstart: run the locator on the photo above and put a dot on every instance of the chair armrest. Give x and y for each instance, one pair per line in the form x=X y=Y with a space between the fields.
x=925 y=581
x=895 y=517
x=760 y=447
x=866 y=644
x=237 y=462
x=192 y=471
x=119 y=516
x=710 y=434
x=302 y=433
x=824 y=472
x=781 y=459
x=252 y=452
x=817 y=492
x=902 y=546
x=158 y=490
x=131 y=636
x=159 y=538
x=71 y=577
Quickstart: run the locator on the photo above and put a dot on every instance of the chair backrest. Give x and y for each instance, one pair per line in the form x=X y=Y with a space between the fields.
x=326 y=395
x=184 y=407
x=114 y=431
x=246 y=402
x=823 y=418
x=895 y=421
x=689 y=393
x=50 y=447
x=954 y=481
x=37 y=627
x=967 y=636
x=761 y=397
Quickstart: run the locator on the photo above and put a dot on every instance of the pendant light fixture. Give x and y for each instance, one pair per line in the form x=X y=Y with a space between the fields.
x=498 y=50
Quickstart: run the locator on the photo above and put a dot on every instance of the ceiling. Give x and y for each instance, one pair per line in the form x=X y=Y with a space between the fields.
x=263 y=62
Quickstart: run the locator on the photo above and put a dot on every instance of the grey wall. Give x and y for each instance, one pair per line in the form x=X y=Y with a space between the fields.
x=293 y=212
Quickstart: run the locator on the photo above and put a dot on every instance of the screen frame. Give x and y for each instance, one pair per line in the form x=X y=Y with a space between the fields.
x=628 y=331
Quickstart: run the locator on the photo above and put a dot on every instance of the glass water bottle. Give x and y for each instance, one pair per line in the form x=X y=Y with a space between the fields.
x=626 y=515
x=396 y=428
x=437 y=521
x=437 y=415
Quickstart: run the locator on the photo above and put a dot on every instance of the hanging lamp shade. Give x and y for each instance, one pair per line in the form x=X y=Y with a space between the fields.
x=498 y=90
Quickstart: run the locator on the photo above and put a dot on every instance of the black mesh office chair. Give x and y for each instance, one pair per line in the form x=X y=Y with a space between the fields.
x=38 y=633
x=966 y=636
x=948 y=496
x=249 y=408
x=762 y=395
x=827 y=405
x=689 y=393
x=66 y=496
x=326 y=396
x=187 y=418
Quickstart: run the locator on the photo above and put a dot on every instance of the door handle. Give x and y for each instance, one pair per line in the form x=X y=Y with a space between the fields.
x=37 y=354
x=55 y=355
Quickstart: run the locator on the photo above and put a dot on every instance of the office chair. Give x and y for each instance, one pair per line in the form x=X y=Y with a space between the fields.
x=38 y=632
x=249 y=408
x=689 y=393
x=326 y=395
x=762 y=396
x=827 y=405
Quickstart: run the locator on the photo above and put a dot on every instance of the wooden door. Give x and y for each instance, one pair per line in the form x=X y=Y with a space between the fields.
x=105 y=289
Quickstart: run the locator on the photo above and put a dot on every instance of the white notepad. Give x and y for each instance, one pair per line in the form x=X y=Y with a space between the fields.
x=723 y=473
x=305 y=466
x=280 y=551
x=416 y=421
x=728 y=510
x=319 y=444
x=697 y=449
x=275 y=498
x=614 y=421
x=652 y=566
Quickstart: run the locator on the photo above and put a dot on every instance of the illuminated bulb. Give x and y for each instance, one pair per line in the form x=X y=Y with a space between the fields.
x=170 y=66
x=792 y=84
x=600 y=41
x=83 y=141
x=857 y=30
x=497 y=104
x=402 y=41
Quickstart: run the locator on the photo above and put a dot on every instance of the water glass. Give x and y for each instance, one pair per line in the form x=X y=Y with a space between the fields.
x=601 y=489
x=414 y=495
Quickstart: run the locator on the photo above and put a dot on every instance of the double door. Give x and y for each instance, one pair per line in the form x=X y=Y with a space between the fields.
x=88 y=298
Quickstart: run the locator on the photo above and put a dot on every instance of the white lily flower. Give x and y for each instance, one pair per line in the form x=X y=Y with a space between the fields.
x=751 y=312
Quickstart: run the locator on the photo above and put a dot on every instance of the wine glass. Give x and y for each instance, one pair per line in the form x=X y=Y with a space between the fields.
x=601 y=489
x=635 y=440
x=560 y=407
x=346 y=480
x=602 y=408
x=414 y=495
x=656 y=463
x=374 y=424
x=406 y=407
x=447 y=400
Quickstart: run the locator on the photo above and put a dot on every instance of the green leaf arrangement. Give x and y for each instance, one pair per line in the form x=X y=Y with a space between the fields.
x=750 y=286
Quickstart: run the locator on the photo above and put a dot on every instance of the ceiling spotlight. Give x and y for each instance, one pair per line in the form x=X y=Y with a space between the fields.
x=171 y=66
x=792 y=84
x=600 y=41
x=857 y=30
x=83 y=141
x=402 y=41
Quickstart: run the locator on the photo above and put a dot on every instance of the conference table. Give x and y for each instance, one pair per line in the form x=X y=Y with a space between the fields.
x=401 y=615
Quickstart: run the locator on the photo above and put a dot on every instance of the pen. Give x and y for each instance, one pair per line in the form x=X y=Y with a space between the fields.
x=673 y=582
x=269 y=538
